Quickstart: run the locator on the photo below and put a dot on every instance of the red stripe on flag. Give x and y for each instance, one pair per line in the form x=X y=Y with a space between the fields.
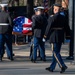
x=26 y=25
x=29 y=21
x=26 y=31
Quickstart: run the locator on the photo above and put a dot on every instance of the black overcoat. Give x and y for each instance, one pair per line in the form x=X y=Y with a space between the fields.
x=39 y=25
x=5 y=19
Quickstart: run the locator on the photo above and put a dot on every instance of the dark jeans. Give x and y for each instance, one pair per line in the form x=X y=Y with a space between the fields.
x=6 y=39
x=38 y=43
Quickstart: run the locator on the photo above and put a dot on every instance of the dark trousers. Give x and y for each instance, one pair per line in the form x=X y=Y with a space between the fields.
x=56 y=56
x=6 y=39
x=38 y=43
x=71 y=50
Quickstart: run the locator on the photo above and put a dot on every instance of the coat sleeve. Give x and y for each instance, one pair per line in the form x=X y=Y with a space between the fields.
x=10 y=21
x=33 y=22
x=48 y=28
x=67 y=29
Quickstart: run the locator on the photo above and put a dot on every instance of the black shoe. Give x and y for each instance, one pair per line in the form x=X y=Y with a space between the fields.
x=34 y=61
x=48 y=69
x=40 y=59
x=70 y=58
x=13 y=54
x=0 y=59
x=39 y=56
x=44 y=60
x=63 y=69
x=2 y=55
x=10 y=58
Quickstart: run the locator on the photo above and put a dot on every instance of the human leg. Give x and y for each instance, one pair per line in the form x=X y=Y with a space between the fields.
x=1 y=46
x=9 y=45
x=42 y=49
x=35 y=48
x=56 y=51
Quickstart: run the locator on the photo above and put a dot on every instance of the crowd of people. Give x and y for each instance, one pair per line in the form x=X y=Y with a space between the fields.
x=54 y=28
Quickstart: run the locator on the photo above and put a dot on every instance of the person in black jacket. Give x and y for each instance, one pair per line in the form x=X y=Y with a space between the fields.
x=56 y=31
x=5 y=33
x=32 y=44
x=39 y=25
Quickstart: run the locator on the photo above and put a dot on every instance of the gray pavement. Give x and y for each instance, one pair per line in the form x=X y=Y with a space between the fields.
x=23 y=66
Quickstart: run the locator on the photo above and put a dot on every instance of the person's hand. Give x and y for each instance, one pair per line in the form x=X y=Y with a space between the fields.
x=44 y=40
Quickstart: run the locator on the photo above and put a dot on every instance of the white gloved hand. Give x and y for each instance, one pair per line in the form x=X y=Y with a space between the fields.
x=43 y=40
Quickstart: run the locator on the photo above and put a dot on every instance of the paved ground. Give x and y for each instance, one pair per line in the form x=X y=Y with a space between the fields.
x=23 y=66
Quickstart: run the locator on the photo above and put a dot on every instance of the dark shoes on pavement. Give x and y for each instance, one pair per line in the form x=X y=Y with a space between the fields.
x=63 y=69
x=48 y=69
x=44 y=60
x=33 y=61
x=70 y=58
x=10 y=58
x=0 y=59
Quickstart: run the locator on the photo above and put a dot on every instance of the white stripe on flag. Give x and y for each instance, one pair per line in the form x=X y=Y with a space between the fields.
x=26 y=21
x=27 y=28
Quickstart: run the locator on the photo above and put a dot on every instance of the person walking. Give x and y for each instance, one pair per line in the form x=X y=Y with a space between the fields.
x=39 y=25
x=56 y=31
x=5 y=33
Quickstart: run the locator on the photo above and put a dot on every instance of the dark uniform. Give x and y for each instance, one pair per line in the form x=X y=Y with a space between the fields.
x=56 y=28
x=5 y=33
x=39 y=26
x=56 y=31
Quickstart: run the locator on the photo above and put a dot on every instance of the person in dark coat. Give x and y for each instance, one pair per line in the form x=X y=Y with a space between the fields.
x=39 y=25
x=5 y=33
x=32 y=44
x=56 y=31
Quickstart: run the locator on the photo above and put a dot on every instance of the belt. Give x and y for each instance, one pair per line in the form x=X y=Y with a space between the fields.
x=57 y=28
x=5 y=24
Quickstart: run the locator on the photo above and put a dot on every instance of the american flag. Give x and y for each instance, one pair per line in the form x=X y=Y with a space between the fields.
x=45 y=5
x=22 y=25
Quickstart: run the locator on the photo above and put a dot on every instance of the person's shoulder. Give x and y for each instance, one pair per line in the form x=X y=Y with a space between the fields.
x=62 y=15
x=38 y=16
x=33 y=16
x=58 y=15
x=51 y=16
x=5 y=12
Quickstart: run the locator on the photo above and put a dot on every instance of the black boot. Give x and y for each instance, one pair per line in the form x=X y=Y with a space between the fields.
x=63 y=69
x=48 y=69
x=0 y=58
